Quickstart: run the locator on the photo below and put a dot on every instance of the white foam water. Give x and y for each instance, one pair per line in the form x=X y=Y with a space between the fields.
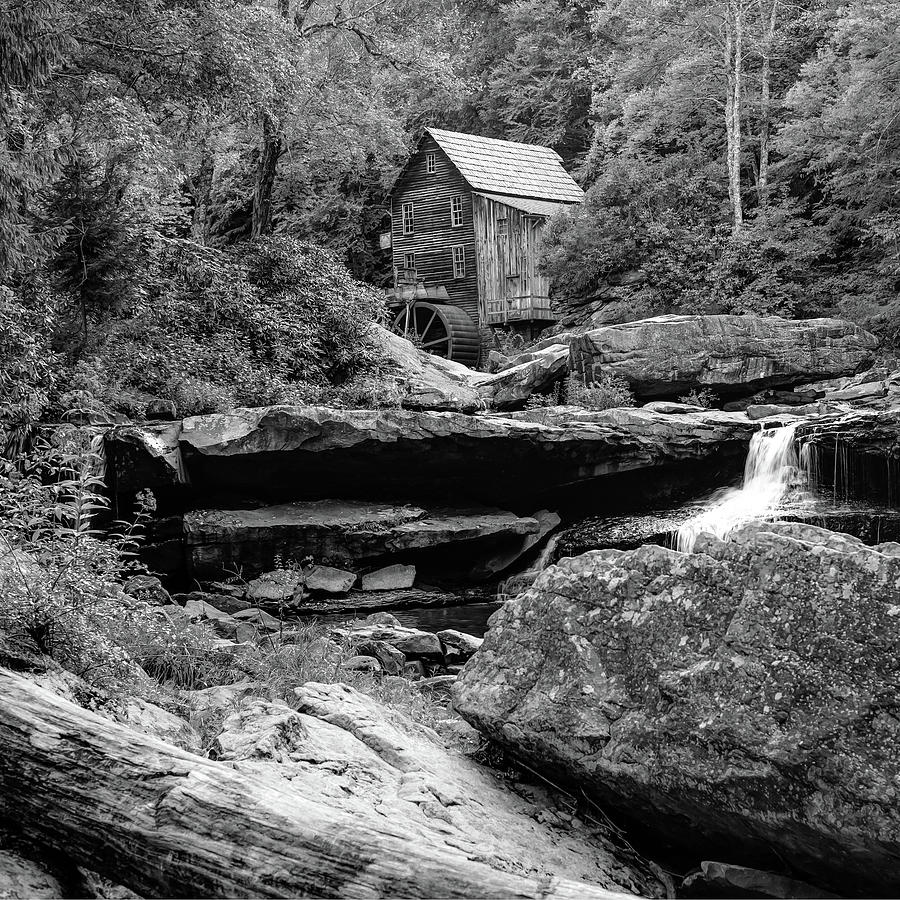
x=771 y=473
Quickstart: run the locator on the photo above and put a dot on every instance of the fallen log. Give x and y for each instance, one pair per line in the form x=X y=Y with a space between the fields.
x=167 y=823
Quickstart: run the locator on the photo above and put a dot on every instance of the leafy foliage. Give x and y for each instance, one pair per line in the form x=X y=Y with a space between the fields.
x=27 y=366
x=609 y=391
x=62 y=579
x=819 y=105
x=280 y=322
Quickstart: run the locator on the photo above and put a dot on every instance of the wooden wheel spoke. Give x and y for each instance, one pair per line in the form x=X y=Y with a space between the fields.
x=441 y=329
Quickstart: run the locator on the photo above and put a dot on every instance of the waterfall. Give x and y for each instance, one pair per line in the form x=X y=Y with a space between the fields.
x=771 y=472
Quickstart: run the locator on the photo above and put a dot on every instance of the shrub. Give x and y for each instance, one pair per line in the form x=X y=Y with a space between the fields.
x=700 y=397
x=276 y=323
x=61 y=582
x=27 y=367
x=608 y=392
x=509 y=341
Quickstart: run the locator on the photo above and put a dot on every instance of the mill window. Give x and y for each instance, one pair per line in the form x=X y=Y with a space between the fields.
x=429 y=163
x=409 y=218
x=456 y=212
x=459 y=261
x=409 y=261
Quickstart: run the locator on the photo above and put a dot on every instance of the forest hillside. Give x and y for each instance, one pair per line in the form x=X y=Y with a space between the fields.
x=738 y=156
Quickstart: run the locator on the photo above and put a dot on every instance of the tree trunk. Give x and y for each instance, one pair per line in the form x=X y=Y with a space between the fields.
x=202 y=191
x=269 y=153
x=734 y=67
x=765 y=108
x=167 y=823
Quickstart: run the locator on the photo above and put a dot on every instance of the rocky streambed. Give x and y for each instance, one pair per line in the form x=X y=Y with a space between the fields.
x=714 y=723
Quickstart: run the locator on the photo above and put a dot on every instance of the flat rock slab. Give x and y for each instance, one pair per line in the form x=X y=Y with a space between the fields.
x=286 y=452
x=334 y=532
x=667 y=355
x=369 y=601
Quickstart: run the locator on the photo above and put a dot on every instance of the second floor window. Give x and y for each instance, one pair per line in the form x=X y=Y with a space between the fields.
x=429 y=163
x=459 y=261
x=456 y=211
x=409 y=218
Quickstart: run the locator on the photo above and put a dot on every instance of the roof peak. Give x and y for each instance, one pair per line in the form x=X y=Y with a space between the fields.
x=508 y=167
x=443 y=132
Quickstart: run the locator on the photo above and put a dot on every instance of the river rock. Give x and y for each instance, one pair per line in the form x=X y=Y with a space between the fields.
x=458 y=646
x=277 y=586
x=344 y=749
x=391 y=659
x=339 y=531
x=23 y=879
x=717 y=879
x=226 y=603
x=425 y=381
x=669 y=355
x=514 y=384
x=258 y=617
x=362 y=663
x=223 y=624
x=328 y=580
x=382 y=618
x=411 y=642
x=390 y=578
x=854 y=455
x=148 y=588
x=735 y=699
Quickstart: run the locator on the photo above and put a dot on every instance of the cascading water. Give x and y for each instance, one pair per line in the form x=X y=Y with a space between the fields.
x=772 y=473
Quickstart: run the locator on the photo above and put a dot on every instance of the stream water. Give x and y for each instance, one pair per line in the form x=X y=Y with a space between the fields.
x=779 y=481
x=772 y=480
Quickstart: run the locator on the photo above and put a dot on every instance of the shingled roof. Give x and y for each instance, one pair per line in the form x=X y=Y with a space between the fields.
x=506 y=167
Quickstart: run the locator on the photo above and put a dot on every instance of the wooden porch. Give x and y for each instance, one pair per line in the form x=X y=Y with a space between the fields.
x=526 y=308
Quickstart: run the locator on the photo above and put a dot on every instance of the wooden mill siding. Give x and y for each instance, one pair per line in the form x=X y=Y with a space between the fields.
x=433 y=237
x=508 y=264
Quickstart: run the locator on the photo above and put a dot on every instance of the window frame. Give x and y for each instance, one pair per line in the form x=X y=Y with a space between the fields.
x=459 y=264
x=407 y=257
x=430 y=163
x=456 y=207
x=408 y=222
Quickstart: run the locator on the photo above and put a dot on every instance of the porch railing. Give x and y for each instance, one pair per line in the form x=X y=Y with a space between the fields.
x=519 y=309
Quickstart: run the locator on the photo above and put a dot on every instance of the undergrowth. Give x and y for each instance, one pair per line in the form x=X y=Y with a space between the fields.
x=607 y=391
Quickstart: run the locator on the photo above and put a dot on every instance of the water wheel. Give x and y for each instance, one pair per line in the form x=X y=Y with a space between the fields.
x=440 y=329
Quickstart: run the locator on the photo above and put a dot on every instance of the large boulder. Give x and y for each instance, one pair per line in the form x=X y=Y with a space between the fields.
x=343 y=749
x=526 y=375
x=285 y=451
x=426 y=381
x=740 y=699
x=669 y=355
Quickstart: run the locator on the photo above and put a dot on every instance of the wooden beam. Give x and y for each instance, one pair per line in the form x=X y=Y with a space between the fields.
x=167 y=823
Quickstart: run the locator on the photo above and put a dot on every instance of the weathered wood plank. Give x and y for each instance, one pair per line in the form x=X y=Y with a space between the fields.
x=167 y=823
x=433 y=237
